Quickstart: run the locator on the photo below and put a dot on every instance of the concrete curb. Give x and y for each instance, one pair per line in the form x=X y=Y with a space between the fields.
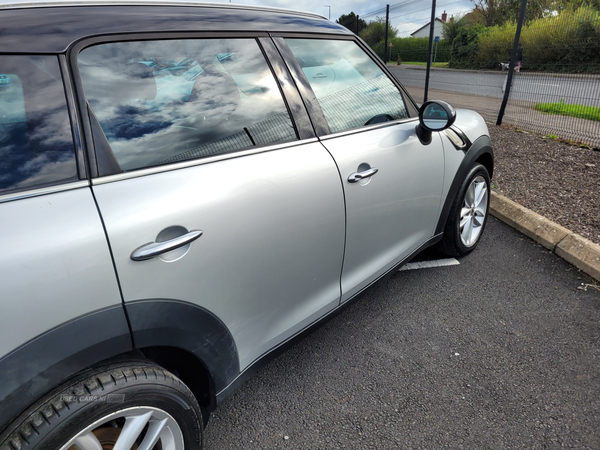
x=580 y=252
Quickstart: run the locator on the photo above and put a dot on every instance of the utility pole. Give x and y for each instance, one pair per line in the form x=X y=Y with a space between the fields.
x=329 y=13
x=387 y=20
x=357 y=22
x=513 y=61
x=431 y=25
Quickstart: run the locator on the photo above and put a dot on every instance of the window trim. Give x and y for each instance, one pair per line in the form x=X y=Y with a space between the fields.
x=307 y=93
x=145 y=171
x=78 y=144
x=88 y=141
x=36 y=192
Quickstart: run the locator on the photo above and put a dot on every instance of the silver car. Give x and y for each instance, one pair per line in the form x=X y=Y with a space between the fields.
x=184 y=190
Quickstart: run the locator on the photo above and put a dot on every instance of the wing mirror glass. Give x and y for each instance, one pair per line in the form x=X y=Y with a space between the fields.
x=434 y=115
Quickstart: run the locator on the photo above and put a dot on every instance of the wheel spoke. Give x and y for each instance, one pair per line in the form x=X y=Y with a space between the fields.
x=155 y=429
x=466 y=232
x=464 y=220
x=134 y=425
x=479 y=216
x=88 y=441
x=480 y=192
x=470 y=196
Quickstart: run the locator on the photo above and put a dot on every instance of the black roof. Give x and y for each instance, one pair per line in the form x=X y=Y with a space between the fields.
x=51 y=29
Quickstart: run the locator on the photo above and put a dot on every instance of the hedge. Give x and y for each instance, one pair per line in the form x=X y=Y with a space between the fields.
x=567 y=42
x=415 y=49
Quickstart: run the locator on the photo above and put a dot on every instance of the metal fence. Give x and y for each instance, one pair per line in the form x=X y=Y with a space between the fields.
x=542 y=77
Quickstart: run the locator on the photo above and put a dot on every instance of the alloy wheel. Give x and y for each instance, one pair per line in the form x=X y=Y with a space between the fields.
x=473 y=211
x=137 y=428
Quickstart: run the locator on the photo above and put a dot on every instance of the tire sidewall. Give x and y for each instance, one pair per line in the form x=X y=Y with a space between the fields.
x=164 y=398
x=65 y=412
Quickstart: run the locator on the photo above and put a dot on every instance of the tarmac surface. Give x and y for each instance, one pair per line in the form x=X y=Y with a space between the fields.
x=501 y=351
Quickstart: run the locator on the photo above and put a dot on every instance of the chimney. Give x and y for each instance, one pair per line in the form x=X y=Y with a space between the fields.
x=444 y=16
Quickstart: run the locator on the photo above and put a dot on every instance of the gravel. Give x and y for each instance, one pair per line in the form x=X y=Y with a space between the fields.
x=554 y=179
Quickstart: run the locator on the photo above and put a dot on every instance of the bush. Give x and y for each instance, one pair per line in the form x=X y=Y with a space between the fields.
x=568 y=42
x=466 y=47
x=495 y=46
x=416 y=49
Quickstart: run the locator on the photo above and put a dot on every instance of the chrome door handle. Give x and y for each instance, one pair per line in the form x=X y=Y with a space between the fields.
x=149 y=251
x=357 y=176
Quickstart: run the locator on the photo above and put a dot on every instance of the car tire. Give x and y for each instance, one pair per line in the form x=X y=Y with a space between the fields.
x=468 y=215
x=137 y=404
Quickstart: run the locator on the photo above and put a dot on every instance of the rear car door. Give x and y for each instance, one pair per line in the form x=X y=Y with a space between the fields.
x=196 y=150
x=392 y=182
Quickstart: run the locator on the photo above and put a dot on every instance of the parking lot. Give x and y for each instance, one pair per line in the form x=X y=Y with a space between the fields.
x=501 y=351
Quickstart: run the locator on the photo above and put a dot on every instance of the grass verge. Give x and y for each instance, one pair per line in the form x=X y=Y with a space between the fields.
x=565 y=109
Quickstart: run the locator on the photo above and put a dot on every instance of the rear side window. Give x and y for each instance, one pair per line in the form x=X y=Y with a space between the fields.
x=351 y=89
x=36 y=145
x=159 y=102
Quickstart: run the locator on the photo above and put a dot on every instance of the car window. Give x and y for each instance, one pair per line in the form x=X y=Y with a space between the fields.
x=165 y=101
x=351 y=89
x=36 y=144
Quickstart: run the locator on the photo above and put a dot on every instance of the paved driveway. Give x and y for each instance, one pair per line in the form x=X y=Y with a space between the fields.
x=501 y=351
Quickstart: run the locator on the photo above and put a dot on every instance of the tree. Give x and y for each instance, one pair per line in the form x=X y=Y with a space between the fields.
x=451 y=28
x=349 y=21
x=498 y=12
x=375 y=32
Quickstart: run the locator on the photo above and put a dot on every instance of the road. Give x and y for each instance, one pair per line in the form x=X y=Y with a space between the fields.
x=582 y=90
x=501 y=351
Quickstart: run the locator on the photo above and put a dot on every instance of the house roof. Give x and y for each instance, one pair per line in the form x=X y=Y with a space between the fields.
x=426 y=25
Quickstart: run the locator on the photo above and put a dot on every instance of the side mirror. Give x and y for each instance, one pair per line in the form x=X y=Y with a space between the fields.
x=434 y=115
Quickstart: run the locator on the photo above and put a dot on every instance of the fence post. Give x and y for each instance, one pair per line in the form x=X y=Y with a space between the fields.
x=513 y=60
x=429 y=51
x=387 y=19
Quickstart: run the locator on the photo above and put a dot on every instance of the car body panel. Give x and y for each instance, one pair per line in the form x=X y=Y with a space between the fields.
x=55 y=264
x=471 y=124
x=279 y=213
x=392 y=213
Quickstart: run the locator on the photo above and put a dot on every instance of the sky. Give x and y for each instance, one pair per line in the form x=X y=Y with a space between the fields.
x=406 y=15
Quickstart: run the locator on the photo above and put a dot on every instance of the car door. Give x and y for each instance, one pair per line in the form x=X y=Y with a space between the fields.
x=202 y=156
x=392 y=182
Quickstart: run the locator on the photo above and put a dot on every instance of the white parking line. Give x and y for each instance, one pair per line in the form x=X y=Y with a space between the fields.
x=430 y=264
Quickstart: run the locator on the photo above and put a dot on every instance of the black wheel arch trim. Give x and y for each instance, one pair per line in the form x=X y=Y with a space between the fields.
x=40 y=365
x=174 y=323
x=480 y=148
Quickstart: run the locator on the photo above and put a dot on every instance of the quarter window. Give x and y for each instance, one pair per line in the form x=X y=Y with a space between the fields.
x=351 y=89
x=36 y=144
x=160 y=102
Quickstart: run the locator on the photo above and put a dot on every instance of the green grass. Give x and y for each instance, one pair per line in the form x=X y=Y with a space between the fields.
x=565 y=109
x=435 y=64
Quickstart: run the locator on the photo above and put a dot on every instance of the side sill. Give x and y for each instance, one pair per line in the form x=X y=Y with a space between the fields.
x=263 y=360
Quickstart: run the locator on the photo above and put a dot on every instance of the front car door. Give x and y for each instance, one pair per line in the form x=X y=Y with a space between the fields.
x=392 y=182
x=202 y=148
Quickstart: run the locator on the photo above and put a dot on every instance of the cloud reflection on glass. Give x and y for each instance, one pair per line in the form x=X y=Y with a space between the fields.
x=164 y=101
x=36 y=146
